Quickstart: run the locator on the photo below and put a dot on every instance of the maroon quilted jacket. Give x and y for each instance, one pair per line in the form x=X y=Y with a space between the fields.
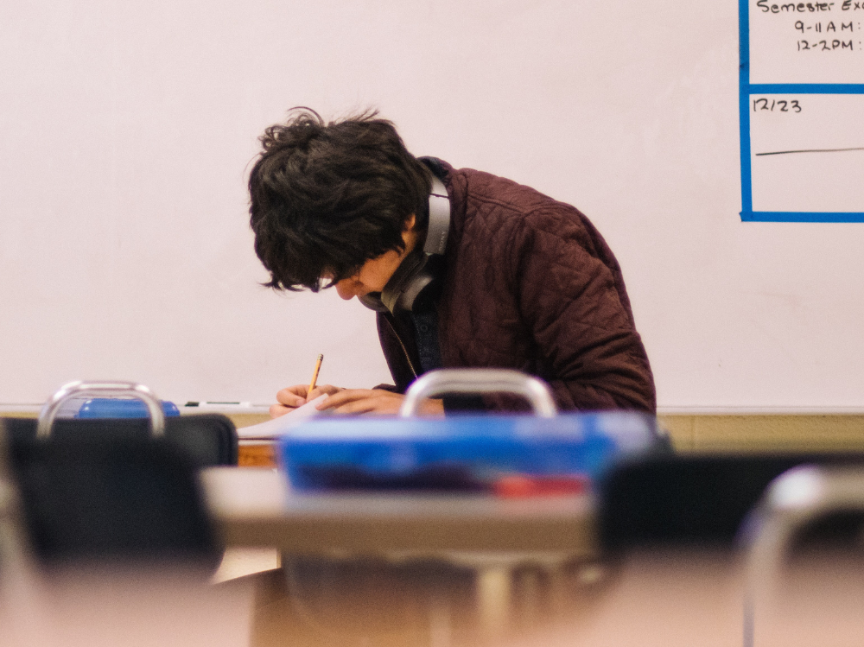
x=530 y=284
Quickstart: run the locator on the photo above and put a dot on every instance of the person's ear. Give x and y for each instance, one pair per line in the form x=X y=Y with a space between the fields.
x=409 y=223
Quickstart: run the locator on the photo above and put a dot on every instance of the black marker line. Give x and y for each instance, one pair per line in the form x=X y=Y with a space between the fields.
x=813 y=150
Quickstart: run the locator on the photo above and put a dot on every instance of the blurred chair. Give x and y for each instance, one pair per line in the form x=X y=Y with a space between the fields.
x=696 y=552
x=805 y=560
x=106 y=541
x=114 y=490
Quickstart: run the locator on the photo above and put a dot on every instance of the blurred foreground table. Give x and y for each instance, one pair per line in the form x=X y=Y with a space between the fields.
x=492 y=536
x=254 y=507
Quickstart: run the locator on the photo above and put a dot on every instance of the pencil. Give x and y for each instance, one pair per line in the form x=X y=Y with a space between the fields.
x=315 y=374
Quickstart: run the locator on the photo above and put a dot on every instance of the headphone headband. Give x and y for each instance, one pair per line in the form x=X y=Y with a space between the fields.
x=439 y=219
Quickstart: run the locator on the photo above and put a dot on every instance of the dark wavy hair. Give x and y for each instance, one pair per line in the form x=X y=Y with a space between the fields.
x=326 y=198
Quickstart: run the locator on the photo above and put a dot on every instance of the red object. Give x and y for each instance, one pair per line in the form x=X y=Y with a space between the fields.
x=520 y=486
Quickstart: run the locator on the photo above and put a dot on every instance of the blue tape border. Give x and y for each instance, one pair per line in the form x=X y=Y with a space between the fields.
x=801 y=216
x=744 y=107
x=745 y=90
x=799 y=88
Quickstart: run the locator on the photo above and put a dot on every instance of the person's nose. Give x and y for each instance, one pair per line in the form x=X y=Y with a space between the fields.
x=346 y=288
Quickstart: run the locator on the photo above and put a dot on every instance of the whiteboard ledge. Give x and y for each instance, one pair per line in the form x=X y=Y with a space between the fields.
x=20 y=408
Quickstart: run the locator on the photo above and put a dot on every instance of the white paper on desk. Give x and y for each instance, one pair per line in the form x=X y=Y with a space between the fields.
x=283 y=424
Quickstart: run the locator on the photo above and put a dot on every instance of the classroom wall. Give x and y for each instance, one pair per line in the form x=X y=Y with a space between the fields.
x=128 y=131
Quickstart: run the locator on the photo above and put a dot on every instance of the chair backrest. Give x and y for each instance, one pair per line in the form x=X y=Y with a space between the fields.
x=208 y=439
x=118 y=500
x=690 y=500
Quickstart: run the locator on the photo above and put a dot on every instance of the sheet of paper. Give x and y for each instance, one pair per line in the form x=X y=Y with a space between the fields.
x=283 y=424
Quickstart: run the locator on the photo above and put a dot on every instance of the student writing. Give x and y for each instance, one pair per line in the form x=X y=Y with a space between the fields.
x=523 y=281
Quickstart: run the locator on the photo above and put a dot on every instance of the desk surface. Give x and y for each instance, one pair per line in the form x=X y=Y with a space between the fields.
x=254 y=507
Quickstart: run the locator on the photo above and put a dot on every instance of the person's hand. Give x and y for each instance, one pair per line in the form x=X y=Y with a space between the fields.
x=296 y=396
x=374 y=401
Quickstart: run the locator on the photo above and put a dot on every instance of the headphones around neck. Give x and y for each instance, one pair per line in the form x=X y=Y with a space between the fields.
x=416 y=273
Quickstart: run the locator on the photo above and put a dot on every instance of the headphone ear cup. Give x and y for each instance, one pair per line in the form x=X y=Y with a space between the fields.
x=373 y=302
x=410 y=298
x=406 y=283
x=404 y=288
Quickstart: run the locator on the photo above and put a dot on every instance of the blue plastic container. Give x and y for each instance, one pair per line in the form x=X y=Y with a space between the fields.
x=459 y=452
x=121 y=408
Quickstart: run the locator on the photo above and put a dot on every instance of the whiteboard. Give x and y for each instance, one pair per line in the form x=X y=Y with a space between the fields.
x=129 y=129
